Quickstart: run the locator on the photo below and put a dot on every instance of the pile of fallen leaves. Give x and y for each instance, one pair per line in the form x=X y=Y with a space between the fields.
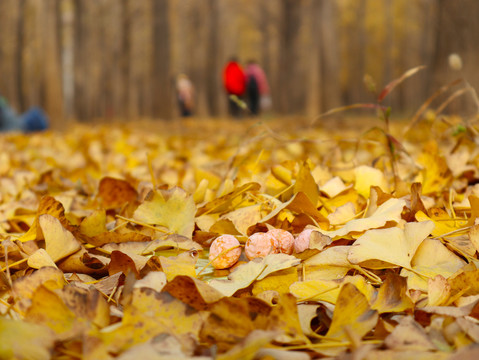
x=105 y=235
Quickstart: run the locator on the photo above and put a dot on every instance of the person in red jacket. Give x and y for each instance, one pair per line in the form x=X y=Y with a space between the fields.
x=234 y=81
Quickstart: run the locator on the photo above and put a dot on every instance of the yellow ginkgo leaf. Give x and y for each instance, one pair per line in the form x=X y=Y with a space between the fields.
x=305 y=183
x=366 y=176
x=256 y=269
x=330 y=264
x=342 y=214
x=333 y=187
x=59 y=242
x=329 y=290
x=443 y=223
x=393 y=245
x=174 y=209
x=39 y=259
x=183 y=264
x=439 y=290
x=352 y=312
x=94 y=224
x=388 y=211
x=426 y=266
x=392 y=295
x=24 y=340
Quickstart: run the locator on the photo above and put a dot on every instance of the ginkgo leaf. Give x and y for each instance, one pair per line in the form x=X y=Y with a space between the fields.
x=59 y=242
x=393 y=245
x=183 y=264
x=39 y=259
x=278 y=281
x=392 y=295
x=334 y=187
x=24 y=340
x=366 y=176
x=352 y=311
x=49 y=309
x=94 y=224
x=409 y=335
x=174 y=209
x=439 y=290
x=329 y=290
x=256 y=269
x=193 y=292
x=245 y=217
x=443 y=223
x=425 y=266
x=48 y=205
x=305 y=183
x=388 y=211
x=329 y=264
x=115 y=192
x=342 y=214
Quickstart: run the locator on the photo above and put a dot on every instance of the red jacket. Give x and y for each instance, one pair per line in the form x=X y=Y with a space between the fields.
x=234 y=79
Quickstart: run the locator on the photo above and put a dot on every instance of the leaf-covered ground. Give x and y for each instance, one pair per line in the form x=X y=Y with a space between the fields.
x=105 y=236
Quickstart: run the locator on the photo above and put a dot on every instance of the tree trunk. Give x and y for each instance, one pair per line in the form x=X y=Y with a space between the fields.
x=314 y=106
x=52 y=81
x=212 y=64
x=162 y=102
x=457 y=28
x=329 y=51
x=10 y=52
x=288 y=69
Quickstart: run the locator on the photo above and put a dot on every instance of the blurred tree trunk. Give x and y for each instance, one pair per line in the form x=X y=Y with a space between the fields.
x=88 y=59
x=315 y=81
x=11 y=12
x=161 y=60
x=355 y=90
x=389 y=39
x=196 y=30
x=330 y=64
x=457 y=28
x=289 y=78
x=52 y=80
x=67 y=13
x=212 y=64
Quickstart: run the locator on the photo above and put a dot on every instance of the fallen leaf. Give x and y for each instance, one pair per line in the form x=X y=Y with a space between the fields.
x=393 y=245
x=183 y=264
x=352 y=310
x=256 y=269
x=389 y=211
x=114 y=193
x=392 y=295
x=59 y=242
x=366 y=176
x=173 y=209
x=409 y=335
x=24 y=340
x=39 y=259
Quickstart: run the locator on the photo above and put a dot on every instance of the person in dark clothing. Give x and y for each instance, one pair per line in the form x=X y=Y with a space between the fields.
x=253 y=95
x=258 y=88
x=32 y=120
x=234 y=81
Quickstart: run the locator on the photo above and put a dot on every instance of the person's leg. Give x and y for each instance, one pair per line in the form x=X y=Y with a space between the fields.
x=254 y=103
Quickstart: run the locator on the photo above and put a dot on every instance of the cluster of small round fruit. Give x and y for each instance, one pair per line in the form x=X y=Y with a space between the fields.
x=225 y=250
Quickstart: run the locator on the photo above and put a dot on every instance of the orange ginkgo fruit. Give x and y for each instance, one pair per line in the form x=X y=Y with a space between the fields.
x=224 y=252
x=285 y=240
x=261 y=244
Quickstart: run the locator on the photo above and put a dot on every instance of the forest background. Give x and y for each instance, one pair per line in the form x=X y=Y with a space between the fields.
x=118 y=59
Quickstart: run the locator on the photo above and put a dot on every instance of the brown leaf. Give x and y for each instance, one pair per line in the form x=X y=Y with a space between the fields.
x=120 y=262
x=114 y=193
x=192 y=291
